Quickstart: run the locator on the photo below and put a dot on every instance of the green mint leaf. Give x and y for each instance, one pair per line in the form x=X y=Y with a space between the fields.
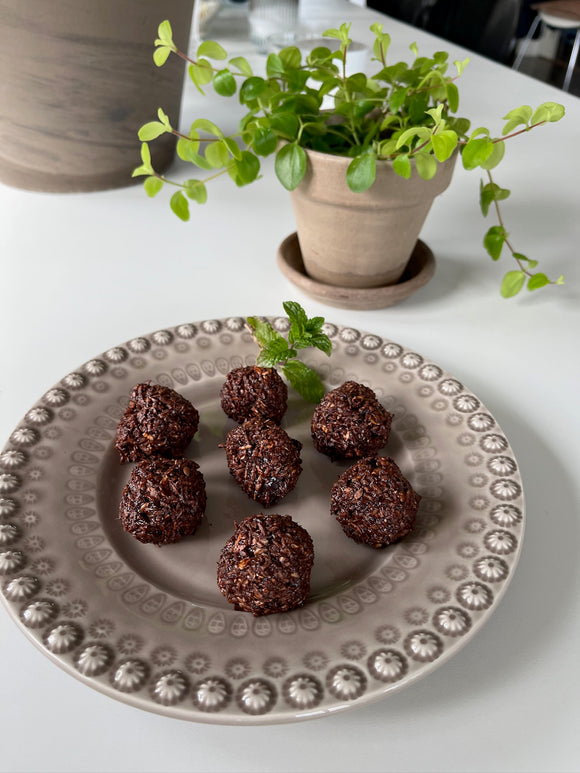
x=322 y=342
x=314 y=324
x=304 y=380
x=274 y=353
x=512 y=283
x=263 y=332
x=296 y=314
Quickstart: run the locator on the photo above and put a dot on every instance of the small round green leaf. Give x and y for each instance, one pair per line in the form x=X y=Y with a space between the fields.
x=444 y=143
x=242 y=65
x=494 y=240
x=224 y=83
x=179 y=205
x=211 y=49
x=151 y=131
x=361 y=172
x=196 y=190
x=216 y=154
x=402 y=166
x=160 y=55
x=290 y=165
x=476 y=152
x=152 y=186
x=251 y=88
x=165 y=33
x=264 y=141
x=245 y=169
x=290 y=58
x=537 y=280
x=426 y=165
x=512 y=283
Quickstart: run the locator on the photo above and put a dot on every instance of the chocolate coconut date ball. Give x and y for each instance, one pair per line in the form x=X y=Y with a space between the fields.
x=163 y=501
x=254 y=391
x=374 y=502
x=349 y=422
x=157 y=422
x=265 y=566
x=263 y=459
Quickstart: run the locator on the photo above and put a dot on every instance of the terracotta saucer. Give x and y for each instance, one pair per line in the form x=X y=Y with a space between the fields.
x=420 y=269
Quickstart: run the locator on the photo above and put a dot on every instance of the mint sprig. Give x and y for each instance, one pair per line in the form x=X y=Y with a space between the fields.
x=279 y=352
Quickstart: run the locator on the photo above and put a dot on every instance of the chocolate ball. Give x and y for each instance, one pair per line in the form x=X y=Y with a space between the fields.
x=157 y=422
x=349 y=422
x=163 y=501
x=374 y=503
x=254 y=391
x=264 y=461
x=265 y=566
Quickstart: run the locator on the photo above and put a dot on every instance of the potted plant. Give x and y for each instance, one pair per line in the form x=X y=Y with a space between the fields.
x=387 y=137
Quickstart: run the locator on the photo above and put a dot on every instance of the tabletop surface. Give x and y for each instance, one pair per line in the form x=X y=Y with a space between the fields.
x=83 y=273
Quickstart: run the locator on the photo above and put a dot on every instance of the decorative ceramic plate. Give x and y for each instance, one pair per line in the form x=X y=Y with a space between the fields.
x=148 y=625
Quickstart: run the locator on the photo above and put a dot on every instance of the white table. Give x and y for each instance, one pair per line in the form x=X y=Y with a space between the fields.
x=508 y=700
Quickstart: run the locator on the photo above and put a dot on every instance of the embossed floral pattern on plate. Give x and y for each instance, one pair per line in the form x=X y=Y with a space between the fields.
x=147 y=625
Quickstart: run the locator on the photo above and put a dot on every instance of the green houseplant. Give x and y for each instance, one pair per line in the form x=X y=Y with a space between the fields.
x=403 y=117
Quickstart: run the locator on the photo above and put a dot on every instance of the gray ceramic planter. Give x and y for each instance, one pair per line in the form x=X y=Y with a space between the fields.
x=78 y=80
x=361 y=240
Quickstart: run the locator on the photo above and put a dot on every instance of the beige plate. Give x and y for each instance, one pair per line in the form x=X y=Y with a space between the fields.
x=148 y=625
x=419 y=271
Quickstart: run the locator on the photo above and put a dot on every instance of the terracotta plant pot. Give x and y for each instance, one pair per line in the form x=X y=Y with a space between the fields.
x=361 y=239
x=78 y=80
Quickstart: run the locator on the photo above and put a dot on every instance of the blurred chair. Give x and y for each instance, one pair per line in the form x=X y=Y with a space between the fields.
x=410 y=11
x=563 y=15
x=487 y=26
